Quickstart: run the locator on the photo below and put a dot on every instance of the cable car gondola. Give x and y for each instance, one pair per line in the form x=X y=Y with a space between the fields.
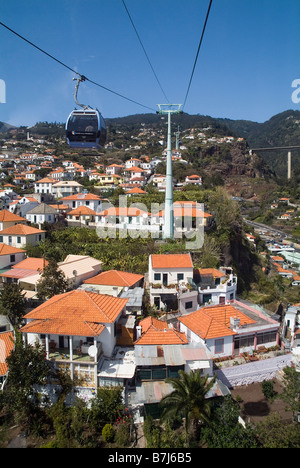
x=85 y=128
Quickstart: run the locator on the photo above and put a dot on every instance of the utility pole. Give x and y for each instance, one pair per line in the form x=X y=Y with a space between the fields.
x=169 y=213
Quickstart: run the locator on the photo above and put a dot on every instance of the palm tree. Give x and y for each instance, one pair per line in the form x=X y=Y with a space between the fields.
x=189 y=398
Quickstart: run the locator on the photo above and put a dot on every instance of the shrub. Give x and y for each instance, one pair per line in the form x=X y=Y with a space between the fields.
x=122 y=438
x=267 y=387
x=108 y=433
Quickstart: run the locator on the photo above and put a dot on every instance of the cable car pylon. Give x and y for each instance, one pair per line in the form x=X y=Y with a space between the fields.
x=169 y=109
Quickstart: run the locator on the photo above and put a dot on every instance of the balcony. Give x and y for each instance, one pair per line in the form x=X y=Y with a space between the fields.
x=78 y=353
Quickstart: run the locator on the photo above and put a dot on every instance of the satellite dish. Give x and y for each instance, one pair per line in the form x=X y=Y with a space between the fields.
x=92 y=351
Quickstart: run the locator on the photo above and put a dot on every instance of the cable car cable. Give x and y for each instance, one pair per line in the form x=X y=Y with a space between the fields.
x=140 y=41
x=72 y=70
x=200 y=43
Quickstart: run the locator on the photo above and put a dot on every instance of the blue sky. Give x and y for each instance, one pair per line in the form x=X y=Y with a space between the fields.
x=248 y=60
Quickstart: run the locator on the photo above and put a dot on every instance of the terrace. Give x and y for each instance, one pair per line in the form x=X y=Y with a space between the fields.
x=76 y=352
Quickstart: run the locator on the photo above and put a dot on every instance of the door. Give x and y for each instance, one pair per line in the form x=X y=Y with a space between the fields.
x=165 y=279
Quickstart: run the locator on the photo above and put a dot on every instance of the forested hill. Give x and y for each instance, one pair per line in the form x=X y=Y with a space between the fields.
x=281 y=130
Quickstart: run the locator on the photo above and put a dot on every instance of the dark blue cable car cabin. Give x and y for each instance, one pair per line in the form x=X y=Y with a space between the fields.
x=86 y=129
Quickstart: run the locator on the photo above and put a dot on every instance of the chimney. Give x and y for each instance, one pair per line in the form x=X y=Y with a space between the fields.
x=234 y=322
x=138 y=331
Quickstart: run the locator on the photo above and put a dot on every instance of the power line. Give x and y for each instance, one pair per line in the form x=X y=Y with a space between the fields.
x=72 y=70
x=140 y=41
x=200 y=43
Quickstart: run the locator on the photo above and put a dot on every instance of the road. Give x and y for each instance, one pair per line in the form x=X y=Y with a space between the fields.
x=263 y=227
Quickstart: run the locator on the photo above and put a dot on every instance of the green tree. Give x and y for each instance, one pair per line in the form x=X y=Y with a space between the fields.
x=273 y=432
x=188 y=399
x=224 y=430
x=13 y=303
x=28 y=369
x=291 y=392
x=106 y=406
x=52 y=282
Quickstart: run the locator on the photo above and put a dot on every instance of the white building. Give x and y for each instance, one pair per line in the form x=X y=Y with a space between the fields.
x=229 y=330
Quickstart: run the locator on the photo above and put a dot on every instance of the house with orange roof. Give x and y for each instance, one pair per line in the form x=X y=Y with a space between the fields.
x=8 y=219
x=161 y=351
x=22 y=205
x=76 y=269
x=10 y=256
x=77 y=329
x=188 y=216
x=19 y=272
x=113 y=282
x=132 y=162
x=193 y=179
x=170 y=279
x=124 y=218
x=44 y=186
x=66 y=188
x=108 y=180
x=135 y=191
x=229 y=330
x=7 y=341
x=114 y=169
x=215 y=286
x=90 y=200
x=82 y=216
x=21 y=235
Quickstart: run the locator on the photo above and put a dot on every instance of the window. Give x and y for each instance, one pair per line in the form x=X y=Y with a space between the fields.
x=12 y=258
x=180 y=276
x=243 y=341
x=157 y=276
x=219 y=346
x=189 y=305
x=266 y=337
x=1 y=238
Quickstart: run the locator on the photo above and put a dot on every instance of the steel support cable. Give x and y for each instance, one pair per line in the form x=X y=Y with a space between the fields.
x=199 y=47
x=84 y=78
x=147 y=57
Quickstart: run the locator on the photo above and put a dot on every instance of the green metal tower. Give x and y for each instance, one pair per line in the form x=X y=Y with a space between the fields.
x=169 y=109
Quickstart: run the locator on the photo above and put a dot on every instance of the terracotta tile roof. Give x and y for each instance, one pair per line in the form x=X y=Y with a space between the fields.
x=21 y=230
x=32 y=263
x=77 y=312
x=171 y=261
x=136 y=190
x=6 y=347
x=82 y=196
x=46 y=180
x=209 y=272
x=17 y=273
x=82 y=210
x=188 y=209
x=6 y=216
x=115 y=278
x=214 y=321
x=156 y=332
x=8 y=249
x=123 y=211
x=63 y=327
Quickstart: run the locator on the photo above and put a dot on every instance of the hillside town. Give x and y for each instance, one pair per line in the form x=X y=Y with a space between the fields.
x=119 y=328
